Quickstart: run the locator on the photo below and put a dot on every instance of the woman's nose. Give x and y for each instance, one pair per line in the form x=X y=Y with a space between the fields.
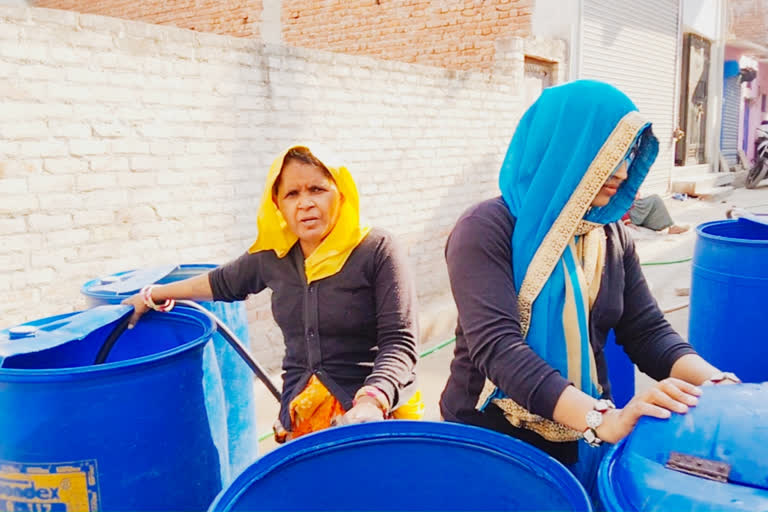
x=621 y=172
x=305 y=202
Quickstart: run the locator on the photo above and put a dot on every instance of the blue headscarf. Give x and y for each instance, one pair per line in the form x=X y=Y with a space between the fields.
x=568 y=143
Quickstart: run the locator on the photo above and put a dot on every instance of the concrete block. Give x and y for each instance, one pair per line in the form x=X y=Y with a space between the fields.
x=14 y=13
x=64 y=55
x=88 y=39
x=69 y=129
x=54 y=16
x=32 y=277
x=10 y=262
x=129 y=146
x=138 y=214
x=88 y=182
x=108 y=198
x=38 y=71
x=24 y=51
x=93 y=218
x=109 y=164
x=19 y=204
x=44 y=223
x=12 y=186
x=53 y=257
x=87 y=147
x=22 y=242
x=24 y=130
x=41 y=184
x=113 y=94
x=114 y=129
x=15 y=224
x=136 y=179
x=102 y=24
x=67 y=238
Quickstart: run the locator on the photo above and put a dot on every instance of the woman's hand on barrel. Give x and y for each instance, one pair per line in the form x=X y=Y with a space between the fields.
x=139 y=308
x=667 y=396
x=365 y=410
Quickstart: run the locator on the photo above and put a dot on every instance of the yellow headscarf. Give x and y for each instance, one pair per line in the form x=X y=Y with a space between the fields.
x=330 y=256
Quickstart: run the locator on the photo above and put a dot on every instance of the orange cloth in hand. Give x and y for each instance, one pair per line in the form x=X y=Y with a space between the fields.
x=313 y=409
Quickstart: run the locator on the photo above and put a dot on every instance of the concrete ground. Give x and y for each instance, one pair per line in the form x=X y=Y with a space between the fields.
x=666 y=282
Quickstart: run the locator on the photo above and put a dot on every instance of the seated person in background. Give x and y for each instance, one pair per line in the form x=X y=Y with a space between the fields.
x=650 y=212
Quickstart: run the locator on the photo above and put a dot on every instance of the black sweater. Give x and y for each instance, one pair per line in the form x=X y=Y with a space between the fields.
x=353 y=328
x=488 y=338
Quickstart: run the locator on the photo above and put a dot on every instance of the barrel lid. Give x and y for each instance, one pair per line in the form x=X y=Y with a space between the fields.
x=54 y=331
x=747 y=216
x=21 y=331
x=712 y=458
x=130 y=282
x=405 y=465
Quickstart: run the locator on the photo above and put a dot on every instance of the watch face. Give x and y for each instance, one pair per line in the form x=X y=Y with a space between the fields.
x=594 y=419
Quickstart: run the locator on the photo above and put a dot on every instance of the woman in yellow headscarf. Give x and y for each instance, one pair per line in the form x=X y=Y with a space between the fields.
x=341 y=295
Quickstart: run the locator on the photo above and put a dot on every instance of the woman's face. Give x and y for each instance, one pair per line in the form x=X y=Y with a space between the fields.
x=309 y=201
x=611 y=186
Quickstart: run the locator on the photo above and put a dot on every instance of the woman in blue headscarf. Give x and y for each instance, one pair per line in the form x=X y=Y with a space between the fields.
x=541 y=274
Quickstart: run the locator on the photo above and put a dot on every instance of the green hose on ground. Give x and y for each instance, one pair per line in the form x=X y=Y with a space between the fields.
x=673 y=262
x=437 y=347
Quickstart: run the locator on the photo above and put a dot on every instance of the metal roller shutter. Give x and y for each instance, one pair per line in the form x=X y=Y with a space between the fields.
x=633 y=45
x=729 y=136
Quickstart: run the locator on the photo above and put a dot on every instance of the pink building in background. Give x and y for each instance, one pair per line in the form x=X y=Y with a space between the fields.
x=752 y=97
x=747 y=47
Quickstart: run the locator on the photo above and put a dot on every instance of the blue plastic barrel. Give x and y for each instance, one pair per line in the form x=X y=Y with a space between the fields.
x=729 y=288
x=237 y=378
x=712 y=459
x=144 y=431
x=405 y=465
x=621 y=371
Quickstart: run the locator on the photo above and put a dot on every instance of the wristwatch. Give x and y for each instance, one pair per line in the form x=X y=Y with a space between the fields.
x=594 y=419
x=723 y=376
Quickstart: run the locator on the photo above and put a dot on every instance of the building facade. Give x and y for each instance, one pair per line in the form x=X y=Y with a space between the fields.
x=667 y=55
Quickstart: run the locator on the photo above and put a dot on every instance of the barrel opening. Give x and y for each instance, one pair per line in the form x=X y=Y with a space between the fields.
x=154 y=334
x=739 y=230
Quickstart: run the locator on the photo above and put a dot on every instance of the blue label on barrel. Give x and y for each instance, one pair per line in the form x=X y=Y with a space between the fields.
x=54 y=487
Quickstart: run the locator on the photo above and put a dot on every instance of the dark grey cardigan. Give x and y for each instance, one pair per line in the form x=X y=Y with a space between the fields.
x=488 y=338
x=353 y=328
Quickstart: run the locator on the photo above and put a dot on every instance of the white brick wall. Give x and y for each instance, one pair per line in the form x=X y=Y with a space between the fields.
x=124 y=145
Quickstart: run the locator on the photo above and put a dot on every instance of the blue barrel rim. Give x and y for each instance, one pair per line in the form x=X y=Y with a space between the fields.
x=610 y=494
x=700 y=231
x=339 y=437
x=85 y=288
x=180 y=312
